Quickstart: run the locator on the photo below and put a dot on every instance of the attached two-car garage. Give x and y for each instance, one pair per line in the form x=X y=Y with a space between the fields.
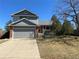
x=22 y=29
x=23 y=33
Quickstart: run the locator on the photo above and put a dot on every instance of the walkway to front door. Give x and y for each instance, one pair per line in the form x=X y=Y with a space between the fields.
x=19 y=49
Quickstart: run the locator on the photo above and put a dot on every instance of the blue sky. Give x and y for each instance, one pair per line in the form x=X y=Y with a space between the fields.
x=43 y=8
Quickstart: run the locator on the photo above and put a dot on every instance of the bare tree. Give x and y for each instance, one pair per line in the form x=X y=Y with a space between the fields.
x=70 y=8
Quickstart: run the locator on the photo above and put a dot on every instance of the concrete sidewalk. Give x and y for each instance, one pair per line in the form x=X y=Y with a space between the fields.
x=19 y=49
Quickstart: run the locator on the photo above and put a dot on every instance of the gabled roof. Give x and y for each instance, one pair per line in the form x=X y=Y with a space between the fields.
x=24 y=20
x=24 y=12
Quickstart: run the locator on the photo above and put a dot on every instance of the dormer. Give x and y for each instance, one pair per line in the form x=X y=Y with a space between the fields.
x=24 y=14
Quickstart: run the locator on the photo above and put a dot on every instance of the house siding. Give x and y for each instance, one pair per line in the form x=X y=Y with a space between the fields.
x=34 y=21
x=16 y=18
x=26 y=22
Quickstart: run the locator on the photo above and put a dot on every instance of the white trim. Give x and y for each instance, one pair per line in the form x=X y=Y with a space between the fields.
x=25 y=15
x=21 y=11
x=19 y=20
x=26 y=25
x=18 y=12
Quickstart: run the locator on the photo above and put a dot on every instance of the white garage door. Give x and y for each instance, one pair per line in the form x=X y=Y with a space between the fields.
x=23 y=33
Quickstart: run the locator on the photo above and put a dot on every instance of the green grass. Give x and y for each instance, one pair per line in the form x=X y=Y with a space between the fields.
x=58 y=48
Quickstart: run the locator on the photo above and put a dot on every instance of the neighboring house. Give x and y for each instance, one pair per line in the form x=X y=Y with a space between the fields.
x=25 y=25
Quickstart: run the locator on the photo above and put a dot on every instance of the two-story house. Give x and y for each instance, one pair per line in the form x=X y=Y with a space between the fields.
x=25 y=25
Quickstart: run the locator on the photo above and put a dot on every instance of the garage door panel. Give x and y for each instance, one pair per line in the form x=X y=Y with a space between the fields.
x=21 y=30
x=20 y=33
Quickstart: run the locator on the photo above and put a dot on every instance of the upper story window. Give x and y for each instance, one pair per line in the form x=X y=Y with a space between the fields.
x=22 y=17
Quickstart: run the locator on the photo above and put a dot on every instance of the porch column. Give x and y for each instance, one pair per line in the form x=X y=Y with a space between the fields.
x=37 y=31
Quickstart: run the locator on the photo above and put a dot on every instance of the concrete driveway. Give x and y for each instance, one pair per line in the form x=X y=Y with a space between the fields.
x=19 y=49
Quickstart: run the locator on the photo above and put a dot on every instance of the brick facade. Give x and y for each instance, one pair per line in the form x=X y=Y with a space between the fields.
x=0 y=33
x=10 y=31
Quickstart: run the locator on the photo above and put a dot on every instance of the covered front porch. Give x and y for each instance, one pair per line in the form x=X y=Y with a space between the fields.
x=42 y=28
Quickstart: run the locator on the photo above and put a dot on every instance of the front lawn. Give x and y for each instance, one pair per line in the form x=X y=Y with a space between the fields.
x=57 y=48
